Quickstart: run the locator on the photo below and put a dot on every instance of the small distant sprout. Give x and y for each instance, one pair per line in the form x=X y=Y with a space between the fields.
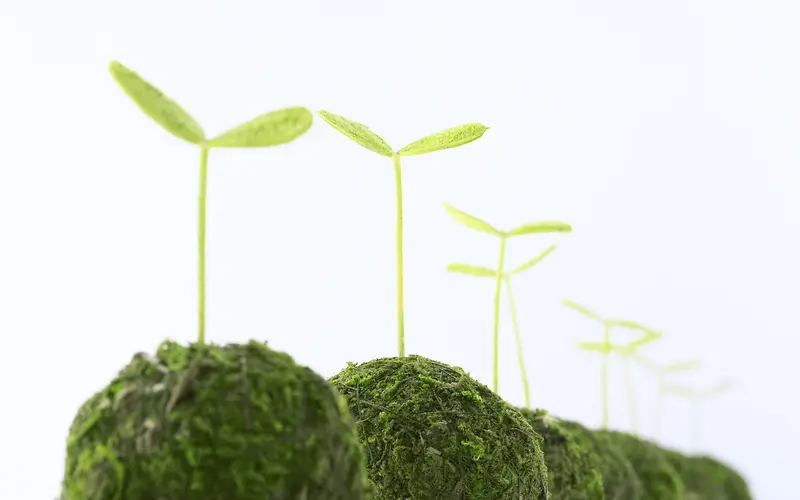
x=269 y=129
x=604 y=348
x=662 y=374
x=445 y=139
x=626 y=352
x=484 y=272
x=499 y=276
x=697 y=398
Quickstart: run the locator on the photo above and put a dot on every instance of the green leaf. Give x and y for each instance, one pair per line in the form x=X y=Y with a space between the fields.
x=577 y=307
x=482 y=272
x=358 y=133
x=680 y=367
x=533 y=261
x=633 y=325
x=163 y=110
x=269 y=129
x=471 y=222
x=445 y=139
x=600 y=347
x=540 y=227
x=643 y=340
x=681 y=390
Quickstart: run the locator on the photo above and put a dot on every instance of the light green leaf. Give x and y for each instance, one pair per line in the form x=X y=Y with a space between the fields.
x=533 y=261
x=540 y=227
x=577 y=307
x=718 y=388
x=445 y=139
x=633 y=325
x=270 y=129
x=680 y=367
x=482 y=272
x=681 y=390
x=595 y=347
x=163 y=110
x=358 y=133
x=641 y=341
x=471 y=222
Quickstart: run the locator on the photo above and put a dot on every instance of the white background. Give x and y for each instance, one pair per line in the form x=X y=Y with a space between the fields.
x=666 y=133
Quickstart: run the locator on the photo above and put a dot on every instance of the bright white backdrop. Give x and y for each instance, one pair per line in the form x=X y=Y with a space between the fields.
x=666 y=133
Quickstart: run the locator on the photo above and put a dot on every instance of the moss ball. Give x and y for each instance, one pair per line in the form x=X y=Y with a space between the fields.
x=431 y=432
x=620 y=481
x=708 y=479
x=206 y=422
x=573 y=467
x=659 y=479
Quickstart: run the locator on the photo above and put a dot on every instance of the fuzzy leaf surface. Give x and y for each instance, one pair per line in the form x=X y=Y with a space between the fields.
x=269 y=129
x=357 y=132
x=160 y=108
x=445 y=139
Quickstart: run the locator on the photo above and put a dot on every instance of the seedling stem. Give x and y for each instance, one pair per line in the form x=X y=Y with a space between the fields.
x=398 y=187
x=496 y=327
x=201 y=247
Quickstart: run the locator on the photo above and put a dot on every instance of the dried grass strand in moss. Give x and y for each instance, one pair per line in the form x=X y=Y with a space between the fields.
x=573 y=467
x=431 y=432
x=206 y=422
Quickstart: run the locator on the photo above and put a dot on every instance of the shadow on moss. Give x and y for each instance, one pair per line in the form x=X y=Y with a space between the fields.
x=431 y=432
x=573 y=466
x=206 y=422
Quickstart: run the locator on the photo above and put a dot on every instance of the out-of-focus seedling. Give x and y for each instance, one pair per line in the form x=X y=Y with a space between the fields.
x=445 y=139
x=484 y=272
x=626 y=352
x=662 y=373
x=269 y=129
x=604 y=348
x=476 y=224
x=698 y=397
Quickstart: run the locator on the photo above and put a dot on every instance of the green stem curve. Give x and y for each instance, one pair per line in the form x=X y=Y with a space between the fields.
x=518 y=341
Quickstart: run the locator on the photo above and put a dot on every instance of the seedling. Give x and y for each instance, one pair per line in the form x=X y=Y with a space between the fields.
x=485 y=272
x=626 y=352
x=697 y=398
x=476 y=224
x=662 y=374
x=445 y=139
x=269 y=129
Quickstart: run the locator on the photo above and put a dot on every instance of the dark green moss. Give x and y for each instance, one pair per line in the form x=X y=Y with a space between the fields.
x=573 y=467
x=708 y=479
x=208 y=422
x=620 y=481
x=659 y=479
x=431 y=432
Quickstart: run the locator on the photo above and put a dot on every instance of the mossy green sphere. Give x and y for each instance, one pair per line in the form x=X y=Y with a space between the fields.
x=206 y=422
x=573 y=467
x=659 y=478
x=620 y=481
x=431 y=432
x=708 y=479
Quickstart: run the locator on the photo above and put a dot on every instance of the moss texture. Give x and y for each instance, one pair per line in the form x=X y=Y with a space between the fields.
x=431 y=432
x=620 y=480
x=573 y=467
x=205 y=422
x=659 y=478
x=701 y=476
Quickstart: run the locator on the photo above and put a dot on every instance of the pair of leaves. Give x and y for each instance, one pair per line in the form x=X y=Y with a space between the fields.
x=485 y=272
x=363 y=136
x=269 y=129
x=529 y=228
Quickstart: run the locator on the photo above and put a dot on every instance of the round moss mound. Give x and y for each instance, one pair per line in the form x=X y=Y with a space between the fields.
x=573 y=467
x=431 y=432
x=660 y=480
x=708 y=479
x=206 y=422
x=620 y=481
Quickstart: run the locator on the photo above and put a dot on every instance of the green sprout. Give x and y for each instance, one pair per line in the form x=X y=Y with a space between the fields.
x=662 y=373
x=626 y=352
x=484 y=272
x=499 y=276
x=269 y=129
x=697 y=397
x=444 y=139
